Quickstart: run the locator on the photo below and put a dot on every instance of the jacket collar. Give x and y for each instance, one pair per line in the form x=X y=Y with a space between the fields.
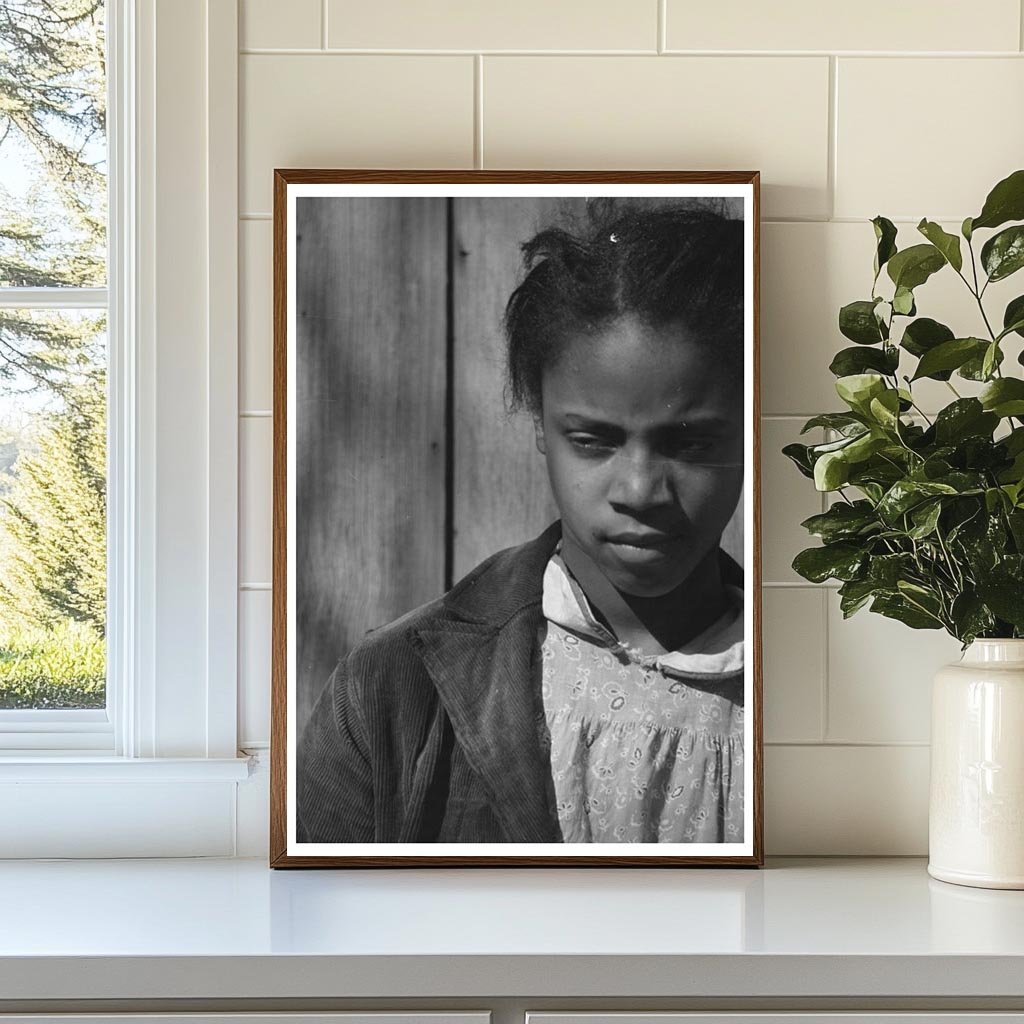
x=479 y=650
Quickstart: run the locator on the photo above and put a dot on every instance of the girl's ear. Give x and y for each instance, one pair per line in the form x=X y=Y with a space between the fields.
x=538 y=433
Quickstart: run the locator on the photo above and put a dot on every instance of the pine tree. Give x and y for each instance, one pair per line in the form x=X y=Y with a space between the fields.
x=52 y=121
x=53 y=520
x=53 y=234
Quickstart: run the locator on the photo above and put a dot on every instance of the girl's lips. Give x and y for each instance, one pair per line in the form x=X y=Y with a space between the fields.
x=645 y=549
x=643 y=540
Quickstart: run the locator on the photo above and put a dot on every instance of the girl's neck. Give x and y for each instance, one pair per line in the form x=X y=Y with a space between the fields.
x=655 y=625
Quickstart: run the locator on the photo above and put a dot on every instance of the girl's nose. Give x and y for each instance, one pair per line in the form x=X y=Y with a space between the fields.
x=641 y=482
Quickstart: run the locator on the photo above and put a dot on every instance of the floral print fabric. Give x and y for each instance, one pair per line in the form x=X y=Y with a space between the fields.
x=643 y=749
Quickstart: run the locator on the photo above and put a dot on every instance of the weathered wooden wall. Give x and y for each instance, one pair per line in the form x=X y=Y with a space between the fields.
x=370 y=475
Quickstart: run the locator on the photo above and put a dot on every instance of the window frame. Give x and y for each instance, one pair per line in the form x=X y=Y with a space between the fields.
x=172 y=468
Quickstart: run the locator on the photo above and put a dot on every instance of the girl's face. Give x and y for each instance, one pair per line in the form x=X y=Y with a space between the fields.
x=642 y=430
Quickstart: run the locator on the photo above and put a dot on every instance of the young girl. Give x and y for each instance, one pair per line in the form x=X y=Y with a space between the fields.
x=586 y=686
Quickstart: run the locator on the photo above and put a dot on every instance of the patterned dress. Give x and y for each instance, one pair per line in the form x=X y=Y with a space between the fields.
x=644 y=749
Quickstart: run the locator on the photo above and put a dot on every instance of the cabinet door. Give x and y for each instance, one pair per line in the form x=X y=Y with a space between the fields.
x=785 y=1017
x=359 y=1017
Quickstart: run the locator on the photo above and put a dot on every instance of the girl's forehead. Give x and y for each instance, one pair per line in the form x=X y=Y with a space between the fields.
x=640 y=371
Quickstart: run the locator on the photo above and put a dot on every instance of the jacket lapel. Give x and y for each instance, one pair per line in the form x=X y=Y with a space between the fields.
x=480 y=656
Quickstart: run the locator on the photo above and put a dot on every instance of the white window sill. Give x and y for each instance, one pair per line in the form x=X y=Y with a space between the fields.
x=79 y=767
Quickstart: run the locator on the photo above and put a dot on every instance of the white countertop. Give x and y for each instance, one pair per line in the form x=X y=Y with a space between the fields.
x=233 y=928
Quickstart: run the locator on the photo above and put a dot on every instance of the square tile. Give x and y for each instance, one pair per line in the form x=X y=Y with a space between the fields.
x=793 y=643
x=653 y=112
x=255 y=316
x=255 y=511
x=880 y=677
x=270 y=24
x=350 y=111
x=470 y=25
x=802 y=25
x=952 y=105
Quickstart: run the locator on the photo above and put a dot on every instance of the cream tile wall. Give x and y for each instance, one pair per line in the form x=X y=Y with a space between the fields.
x=909 y=110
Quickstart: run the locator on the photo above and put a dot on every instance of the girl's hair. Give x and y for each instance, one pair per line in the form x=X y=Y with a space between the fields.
x=663 y=263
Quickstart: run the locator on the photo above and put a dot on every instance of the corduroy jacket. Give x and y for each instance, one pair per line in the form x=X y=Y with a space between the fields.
x=427 y=731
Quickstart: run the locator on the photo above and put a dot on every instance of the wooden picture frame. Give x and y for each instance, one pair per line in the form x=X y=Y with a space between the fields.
x=393 y=477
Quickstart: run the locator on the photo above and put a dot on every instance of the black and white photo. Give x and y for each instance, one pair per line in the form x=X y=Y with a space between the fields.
x=516 y=564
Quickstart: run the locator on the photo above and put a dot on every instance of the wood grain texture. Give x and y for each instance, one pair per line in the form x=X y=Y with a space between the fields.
x=370 y=356
x=501 y=494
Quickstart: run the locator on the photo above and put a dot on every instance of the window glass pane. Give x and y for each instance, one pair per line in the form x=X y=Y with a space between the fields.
x=53 y=151
x=52 y=509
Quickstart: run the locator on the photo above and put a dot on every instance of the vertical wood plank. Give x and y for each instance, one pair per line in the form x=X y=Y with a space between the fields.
x=371 y=334
x=501 y=493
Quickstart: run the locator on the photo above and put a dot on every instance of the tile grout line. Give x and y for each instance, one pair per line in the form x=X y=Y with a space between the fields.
x=663 y=27
x=335 y=51
x=1020 y=22
x=478 y=111
x=323 y=24
x=833 y=134
x=845 y=744
x=824 y=723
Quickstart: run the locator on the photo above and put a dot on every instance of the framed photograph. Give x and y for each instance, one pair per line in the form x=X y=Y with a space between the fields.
x=516 y=586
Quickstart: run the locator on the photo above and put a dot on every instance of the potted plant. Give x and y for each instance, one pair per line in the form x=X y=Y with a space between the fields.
x=926 y=524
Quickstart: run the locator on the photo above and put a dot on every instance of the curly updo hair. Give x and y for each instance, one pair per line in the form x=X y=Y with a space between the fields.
x=665 y=263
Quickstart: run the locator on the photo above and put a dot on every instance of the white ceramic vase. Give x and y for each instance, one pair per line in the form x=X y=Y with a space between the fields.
x=976 y=813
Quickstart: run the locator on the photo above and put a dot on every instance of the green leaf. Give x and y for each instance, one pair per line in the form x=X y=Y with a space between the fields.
x=1013 y=317
x=849 y=361
x=923 y=335
x=903 y=302
x=974 y=368
x=1003 y=254
x=913 y=266
x=966 y=417
x=925 y=518
x=1004 y=397
x=949 y=356
x=899 y=608
x=887 y=570
x=799 y=455
x=864 y=446
x=1005 y=596
x=990 y=360
x=842 y=521
x=885 y=409
x=831 y=471
x=885 y=236
x=858 y=389
x=840 y=561
x=841 y=421
x=906 y=494
x=854 y=594
x=965 y=228
x=1005 y=202
x=947 y=244
x=970 y=616
x=857 y=321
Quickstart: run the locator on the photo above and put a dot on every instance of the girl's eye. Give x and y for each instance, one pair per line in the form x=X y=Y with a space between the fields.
x=591 y=443
x=693 y=446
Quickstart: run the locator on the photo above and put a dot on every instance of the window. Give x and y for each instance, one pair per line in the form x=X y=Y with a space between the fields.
x=155 y=762
x=53 y=371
